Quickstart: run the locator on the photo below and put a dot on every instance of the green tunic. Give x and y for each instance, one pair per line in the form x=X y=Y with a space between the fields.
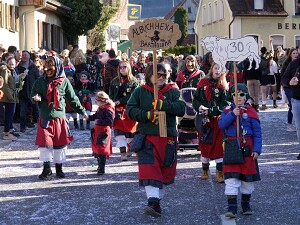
x=217 y=102
x=121 y=92
x=66 y=92
x=140 y=103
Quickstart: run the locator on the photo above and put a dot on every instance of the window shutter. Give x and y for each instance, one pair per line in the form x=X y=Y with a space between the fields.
x=40 y=34
x=2 y=15
x=7 y=12
x=17 y=19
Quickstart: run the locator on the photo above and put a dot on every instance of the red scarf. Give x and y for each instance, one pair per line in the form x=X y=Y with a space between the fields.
x=165 y=89
x=181 y=74
x=52 y=88
x=83 y=81
x=208 y=86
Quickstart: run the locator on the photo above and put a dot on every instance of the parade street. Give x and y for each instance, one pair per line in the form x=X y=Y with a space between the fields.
x=115 y=198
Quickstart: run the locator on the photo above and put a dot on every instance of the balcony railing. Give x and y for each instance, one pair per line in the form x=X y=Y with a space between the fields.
x=30 y=2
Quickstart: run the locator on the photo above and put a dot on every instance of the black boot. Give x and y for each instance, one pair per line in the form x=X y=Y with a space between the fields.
x=88 y=125
x=246 y=204
x=81 y=124
x=123 y=154
x=47 y=172
x=101 y=164
x=153 y=207
x=59 y=172
x=274 y=104
x=75 y=123
x=232 y=206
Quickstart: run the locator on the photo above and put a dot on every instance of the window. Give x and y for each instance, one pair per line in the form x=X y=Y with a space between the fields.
x=221 y=9
x=278 y=40
x=203 y=14
x=189 y=10
x=297 y=7
x=45 y=40
x=297 y=41
x=215 y=18
x=55 y=38
x=258 y=5
x=253 y=35
x=209 y=13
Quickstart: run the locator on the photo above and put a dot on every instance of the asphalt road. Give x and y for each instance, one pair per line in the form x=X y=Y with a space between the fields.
x=115 y=198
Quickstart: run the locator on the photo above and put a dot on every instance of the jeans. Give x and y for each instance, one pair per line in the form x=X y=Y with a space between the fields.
x=253 y=87
x=296 y=113
x=9 y=114
x=23 y=112
x=288 y=93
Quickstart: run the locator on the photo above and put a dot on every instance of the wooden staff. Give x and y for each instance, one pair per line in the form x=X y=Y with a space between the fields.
x=236 y=99
x=161 y=114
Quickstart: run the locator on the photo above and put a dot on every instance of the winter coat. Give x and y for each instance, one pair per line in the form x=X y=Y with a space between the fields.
x=9 y=87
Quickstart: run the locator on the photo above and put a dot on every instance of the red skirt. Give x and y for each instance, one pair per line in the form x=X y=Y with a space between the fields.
x=101 y=140
x=57 y=133
x=214 y=150
x=124 y=124
x=247 y=168
x=151 y=161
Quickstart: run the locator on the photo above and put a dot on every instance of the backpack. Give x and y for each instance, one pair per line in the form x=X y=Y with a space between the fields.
x=264 y=66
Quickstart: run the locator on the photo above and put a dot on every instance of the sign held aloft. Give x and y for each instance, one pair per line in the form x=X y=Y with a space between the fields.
x=152 y=34
x=236 y=50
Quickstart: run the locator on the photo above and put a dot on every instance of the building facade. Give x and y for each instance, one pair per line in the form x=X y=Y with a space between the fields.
x=278 y=20
x=32 y=24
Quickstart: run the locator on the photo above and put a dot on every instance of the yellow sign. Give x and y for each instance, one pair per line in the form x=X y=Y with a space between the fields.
x=134 y=12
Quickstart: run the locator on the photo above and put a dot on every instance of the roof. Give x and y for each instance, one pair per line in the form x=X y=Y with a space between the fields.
x=188 y=40
x=245 y=8
x=174 y=9
x=57 y=7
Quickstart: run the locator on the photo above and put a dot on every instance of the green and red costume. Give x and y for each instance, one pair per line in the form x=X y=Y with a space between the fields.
x=153 y=156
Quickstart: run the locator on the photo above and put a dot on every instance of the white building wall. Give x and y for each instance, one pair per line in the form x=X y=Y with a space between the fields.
x=8 y=38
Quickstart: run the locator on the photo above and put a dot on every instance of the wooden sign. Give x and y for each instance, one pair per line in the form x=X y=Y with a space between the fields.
x=235 y=50
x=152 y=34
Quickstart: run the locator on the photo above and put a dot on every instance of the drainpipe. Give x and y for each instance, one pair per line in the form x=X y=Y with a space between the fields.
x=23 y=20
x=230 y=26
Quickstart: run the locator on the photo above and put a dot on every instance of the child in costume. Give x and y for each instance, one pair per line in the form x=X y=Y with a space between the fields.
x=157 y=158
x=50 y=92
x=101 y=133
x=209 y=100
x=83 y=86
x=241 y=176
x=120 y=90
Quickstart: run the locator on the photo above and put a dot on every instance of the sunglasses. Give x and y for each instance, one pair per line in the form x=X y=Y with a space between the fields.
x=240 y=94
x=123 y=67
x=159 y=75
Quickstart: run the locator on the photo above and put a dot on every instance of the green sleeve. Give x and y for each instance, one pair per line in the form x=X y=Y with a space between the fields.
x=174 y=106
x=133 y=109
